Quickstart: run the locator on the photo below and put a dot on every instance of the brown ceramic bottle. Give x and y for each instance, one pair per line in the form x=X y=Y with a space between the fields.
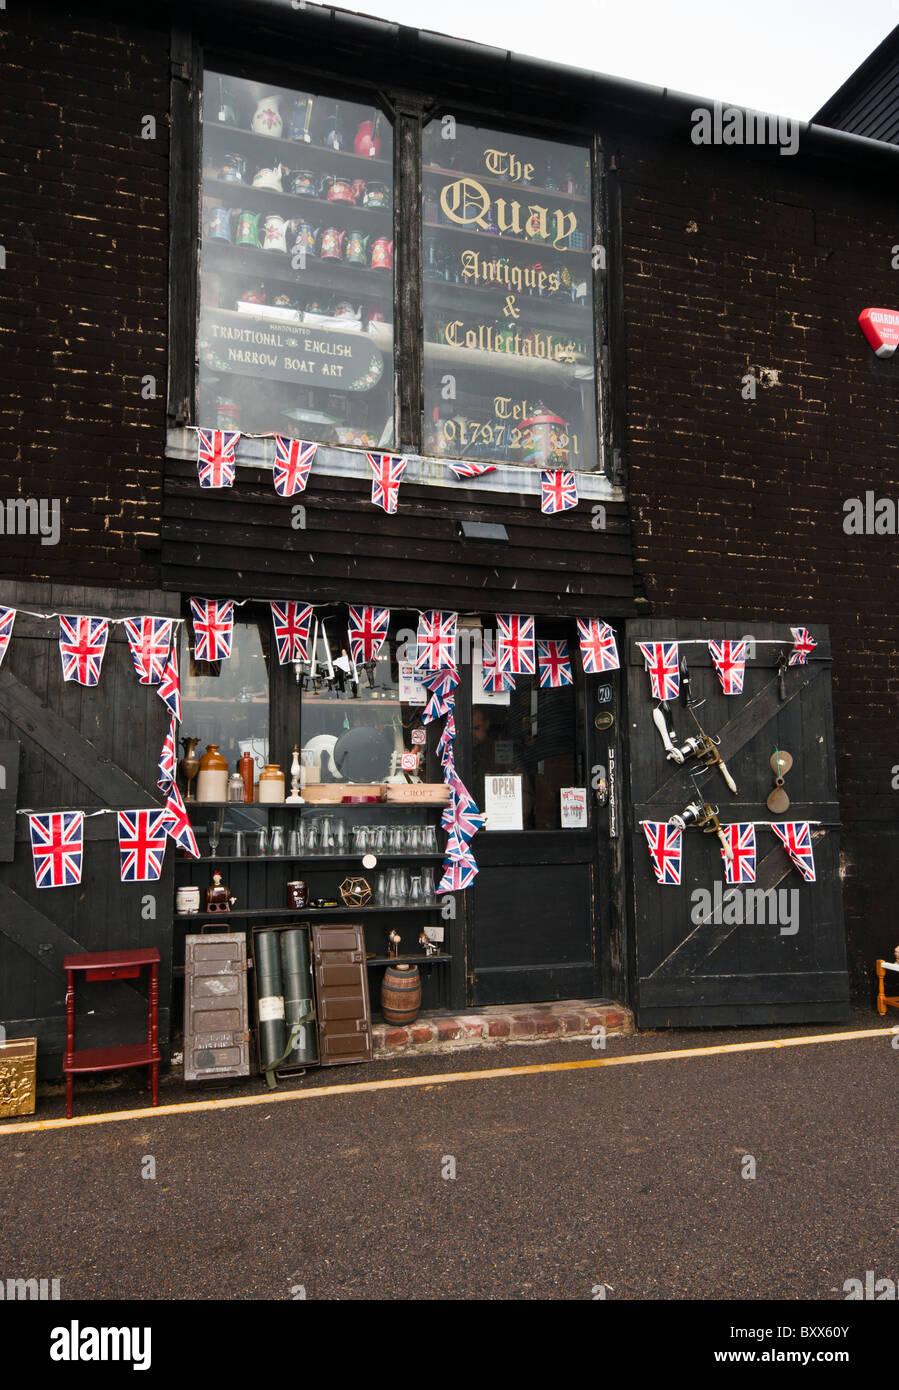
x=247 y=770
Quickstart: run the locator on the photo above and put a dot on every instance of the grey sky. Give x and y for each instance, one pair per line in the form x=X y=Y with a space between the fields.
x=785 y=57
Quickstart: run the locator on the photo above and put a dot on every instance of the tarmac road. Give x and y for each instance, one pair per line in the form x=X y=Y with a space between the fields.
x=628 y=1176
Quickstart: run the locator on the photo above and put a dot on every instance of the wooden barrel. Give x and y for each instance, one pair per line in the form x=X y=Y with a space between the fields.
x=401 y=993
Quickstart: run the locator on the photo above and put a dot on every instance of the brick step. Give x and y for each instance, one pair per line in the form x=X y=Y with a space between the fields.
x=571 y=1018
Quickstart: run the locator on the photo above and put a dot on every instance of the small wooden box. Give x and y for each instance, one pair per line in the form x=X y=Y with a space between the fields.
x=18 y=1065
x=418 y=794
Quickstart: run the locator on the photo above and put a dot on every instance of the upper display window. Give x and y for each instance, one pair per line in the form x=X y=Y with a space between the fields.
x=508 y=299
x=296 y=265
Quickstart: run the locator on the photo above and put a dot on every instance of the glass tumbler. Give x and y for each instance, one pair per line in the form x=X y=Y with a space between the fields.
x=380 y=893
x=340 y=836
x=326 y=835
x=262 y=842
x=403 y=887
x=278 y=840
x=394 y=891
x=415 y=893
x=240 y=844
x=378 y=839
x=395 y=843
x=429 y=841
x=360 y=840
x=294 y=839
x=428 y=891
x=311 y=845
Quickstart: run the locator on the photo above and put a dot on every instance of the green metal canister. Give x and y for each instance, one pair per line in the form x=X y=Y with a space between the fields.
x=270 y=992
x=297 y=994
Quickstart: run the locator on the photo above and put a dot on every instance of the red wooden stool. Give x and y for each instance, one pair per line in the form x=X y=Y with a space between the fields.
x=883 y=999
x=112 y=965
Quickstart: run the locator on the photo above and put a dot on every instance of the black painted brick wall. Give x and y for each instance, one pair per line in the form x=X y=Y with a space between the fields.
x=83 y=294
x=737 y=506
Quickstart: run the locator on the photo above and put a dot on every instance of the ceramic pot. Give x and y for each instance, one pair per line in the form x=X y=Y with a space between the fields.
x=267 y=118
x=271 y=784
x=187 y=899
x=212 y=783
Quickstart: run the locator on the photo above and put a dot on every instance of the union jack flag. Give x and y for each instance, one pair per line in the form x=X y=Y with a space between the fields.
x=796 y=837
x=599 y=651
x=141 y=845
x=177 y=823
x=457 y=874
x=82 y=642
x=472 y=470
x=456 y=847
x=441 y=682
x=167 y=760
x=215 y=457
x=554 y=665
x=515 y=644
x=7 y=618
x=291 y=622
x=665 y=843
x=57 y=848
x=559 y=491
x=169 y=688
x=149 y=640
x=730 y=663
x=438 y=705
x=367 y=629
x=436 y=648
x=293 y=460
x=803 y=644
x=661 y=662
x=741 y=838
x=213 y=628
x=387 y=470
x=495 y=680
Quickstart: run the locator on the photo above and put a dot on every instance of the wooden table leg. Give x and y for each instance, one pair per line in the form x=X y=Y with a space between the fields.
x=70 y=1041
x=881 y=1000
x=153 y=1025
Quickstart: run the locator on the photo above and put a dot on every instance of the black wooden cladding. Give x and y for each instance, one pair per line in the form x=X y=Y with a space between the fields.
x=81 y=748
x=689 y=973
x=240 y=543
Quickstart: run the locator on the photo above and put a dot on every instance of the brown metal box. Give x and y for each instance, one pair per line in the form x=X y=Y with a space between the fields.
x=341 y=987
x=216 y=1036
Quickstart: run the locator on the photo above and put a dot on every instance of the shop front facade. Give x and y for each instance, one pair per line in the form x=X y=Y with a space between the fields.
x=461 y=337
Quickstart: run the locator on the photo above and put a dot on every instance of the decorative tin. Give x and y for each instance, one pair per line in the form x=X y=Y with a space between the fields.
x=274 y=233
x=331 y=248
x=376 y=195
x=359 y=190
x=254 y=294
x=227 y=414
x=356 y=248
x=18 y=1064
x=382 y=254
x=247 y=233
x=306 y=238
x=301 y=119
x=269 y=178
x=541 y=439
x=366 y=141
x=267 y=118
x=234 y=169
x=218 y=228
x=297 y=894
x=303 y=182
x=341 y=191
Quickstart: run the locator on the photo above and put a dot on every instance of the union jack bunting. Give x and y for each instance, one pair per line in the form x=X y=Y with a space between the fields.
x=436 y=642
x=367 y=629
x=661 y=662
x=456 y=847
x=495 y=680
x=730 y=663
x=167 y=760
x=515 y=644
x=438 y=705
x=387 y=470
x=57 y=848
x=7 y=618
x=803 y=644
x=554 y=665
x=177 y=823
x=559 y=491
x=796 y=837
x=142 y=836
x=458 y=874
x=665 y=843
x=169 y=688
x=82 y=642
x=213 y=628
x=741 y=838
x=293 y=460
x=149 y=640
x=215 y=457
x=441 y=682
x=599 y=651
x=466 y=818
x=472 y=470
x=292 y=622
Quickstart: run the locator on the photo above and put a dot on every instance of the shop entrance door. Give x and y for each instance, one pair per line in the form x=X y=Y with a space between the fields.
x=533 y=913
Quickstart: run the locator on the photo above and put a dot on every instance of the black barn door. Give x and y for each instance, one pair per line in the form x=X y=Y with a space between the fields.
x=81 y=748
x=705 y=954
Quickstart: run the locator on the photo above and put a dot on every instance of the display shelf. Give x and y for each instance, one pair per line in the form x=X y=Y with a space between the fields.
x=508 y=184
x=317 y=859
x=275 y=266
x=444 y=294
x=407 y=960
x=507 y=363
x=251 y=196
x=209 y=917
x=334 y=807
x=347 y=160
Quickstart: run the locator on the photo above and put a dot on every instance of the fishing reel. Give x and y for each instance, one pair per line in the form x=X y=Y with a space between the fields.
x=703 y=816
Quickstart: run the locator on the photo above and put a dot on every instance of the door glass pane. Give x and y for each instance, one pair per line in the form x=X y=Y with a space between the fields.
x=534 y=736
x=296 y=265
x=227 y=702
x=508 y=298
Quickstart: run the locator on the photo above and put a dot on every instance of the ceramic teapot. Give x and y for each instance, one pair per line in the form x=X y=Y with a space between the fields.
x=267 y=118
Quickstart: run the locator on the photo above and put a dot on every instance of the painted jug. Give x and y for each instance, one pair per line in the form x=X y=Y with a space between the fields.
x=332 y=244
x=267 y=118
x=247 y=228
x=356 y=248
x=274 y=233
x=382 y=254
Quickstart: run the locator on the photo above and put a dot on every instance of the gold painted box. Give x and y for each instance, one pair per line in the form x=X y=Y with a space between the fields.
x=18 y=1064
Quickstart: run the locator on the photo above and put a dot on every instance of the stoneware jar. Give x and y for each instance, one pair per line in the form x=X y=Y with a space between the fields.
x=187 y=899
x=271 y=783
x=267 y=118
x=212 y=783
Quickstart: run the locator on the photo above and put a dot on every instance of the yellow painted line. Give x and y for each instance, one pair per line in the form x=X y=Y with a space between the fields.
x=439 y=1079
